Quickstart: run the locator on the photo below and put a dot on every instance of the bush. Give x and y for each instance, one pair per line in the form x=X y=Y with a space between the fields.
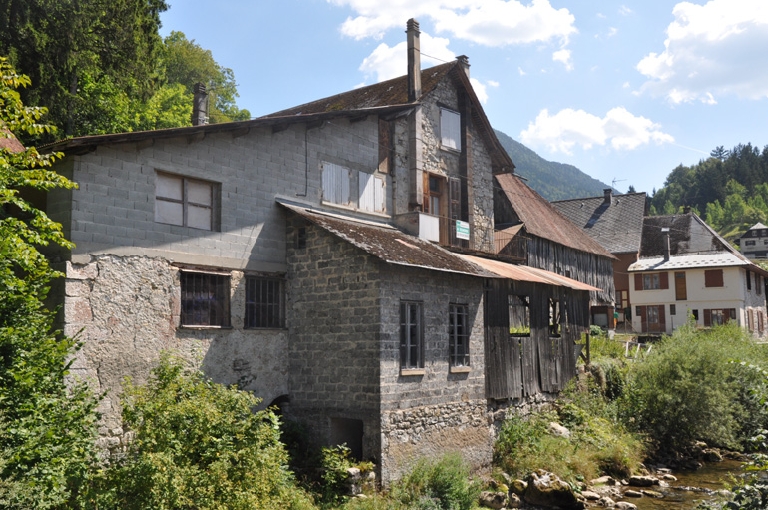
x=443 y=484
x=689 y=388
x=199 y=445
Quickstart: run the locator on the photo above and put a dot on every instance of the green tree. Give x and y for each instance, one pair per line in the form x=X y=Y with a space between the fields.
x=47 y=427
x=197 y=444
x=715 y=215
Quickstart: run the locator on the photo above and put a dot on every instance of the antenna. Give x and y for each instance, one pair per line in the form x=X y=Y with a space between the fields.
x=614 y=181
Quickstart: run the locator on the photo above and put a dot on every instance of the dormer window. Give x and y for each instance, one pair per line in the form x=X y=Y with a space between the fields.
x=450 y=129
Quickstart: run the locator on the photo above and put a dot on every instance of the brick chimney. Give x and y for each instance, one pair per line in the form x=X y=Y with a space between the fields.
x=414 y=60
x=607 y=196
x=200 y=106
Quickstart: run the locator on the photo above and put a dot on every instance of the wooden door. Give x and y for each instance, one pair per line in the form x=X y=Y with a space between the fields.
x=681 y=292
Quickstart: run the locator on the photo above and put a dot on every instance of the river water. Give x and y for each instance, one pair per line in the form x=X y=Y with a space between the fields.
x=710 y=478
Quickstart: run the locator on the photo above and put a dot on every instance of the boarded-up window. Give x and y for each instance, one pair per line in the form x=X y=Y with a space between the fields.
x=458 y=335
x=335 y=184
x=204 y=299
x=264 y=302
x=450 y=129
x=713 y=278
x=184 y=202
x=371 y=193
x=411 y=335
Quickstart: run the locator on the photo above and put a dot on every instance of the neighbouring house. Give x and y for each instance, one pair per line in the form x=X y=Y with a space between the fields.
x=686 y=271
x=530 y=229
x=616 y=223
x=754 y=242
x=337 y=259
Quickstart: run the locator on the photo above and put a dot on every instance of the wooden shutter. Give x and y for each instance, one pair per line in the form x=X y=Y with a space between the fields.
x=681 y=291
x=454 y=207
x=713 y=278
x=643 y=319
x=750 y=318
x=664 y=280
x=638 y=281
x=707 y=317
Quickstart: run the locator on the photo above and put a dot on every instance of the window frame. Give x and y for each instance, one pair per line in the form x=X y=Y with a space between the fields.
x=411 y=325
x=651 y=281
x=186 y=202
x=458 y=335
x=219 y=289
x=273 y=287
x=450 y=129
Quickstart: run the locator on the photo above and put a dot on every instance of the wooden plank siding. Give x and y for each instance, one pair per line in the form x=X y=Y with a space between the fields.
x=582 y=266
x=523 y=365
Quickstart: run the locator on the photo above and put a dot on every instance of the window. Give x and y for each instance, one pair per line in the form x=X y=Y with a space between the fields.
x=695 y=314
x=338 y=186
x=264 y=302
x=433 y=192
x=651 y=281
x=411 y=335
x=204 y=299
x=450 y=129
x=749 y=280
x=717 y=316
x=652 y=314
x=749 y=243
x=713 y=278
x=672 y=310
x=458 y=335
x=759 y=284
x=184 y=202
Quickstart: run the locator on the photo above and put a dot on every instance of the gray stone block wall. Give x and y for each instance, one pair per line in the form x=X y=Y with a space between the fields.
x=334 y=335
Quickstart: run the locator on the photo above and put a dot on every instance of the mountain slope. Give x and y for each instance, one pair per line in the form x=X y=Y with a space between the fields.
x=553 y=181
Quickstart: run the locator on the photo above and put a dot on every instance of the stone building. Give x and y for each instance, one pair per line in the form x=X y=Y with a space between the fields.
x=332 y=258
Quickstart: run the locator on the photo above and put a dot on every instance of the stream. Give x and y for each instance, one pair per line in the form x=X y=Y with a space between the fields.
x=691 y=487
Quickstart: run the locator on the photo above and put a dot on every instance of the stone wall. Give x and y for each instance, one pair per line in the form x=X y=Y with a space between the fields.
x=334 y=321
x=126 y=310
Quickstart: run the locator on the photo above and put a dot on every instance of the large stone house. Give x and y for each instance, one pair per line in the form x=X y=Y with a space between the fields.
x=336 y=259
x=686 y=271
x=754 y=242
x=616 y=223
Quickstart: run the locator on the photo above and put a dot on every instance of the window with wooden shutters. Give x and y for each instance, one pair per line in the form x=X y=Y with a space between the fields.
x=204 y=299
x=458 y=335
x=681 y=291
x=335 y=184
x=411 y=335
x=450 y=129
x=651 y=281
x=713 y=278
x=717 y=316
x=433 y=193
x=454 y=214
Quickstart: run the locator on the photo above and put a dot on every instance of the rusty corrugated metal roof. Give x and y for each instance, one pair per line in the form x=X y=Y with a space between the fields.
x=527 y=274
x=541 y=219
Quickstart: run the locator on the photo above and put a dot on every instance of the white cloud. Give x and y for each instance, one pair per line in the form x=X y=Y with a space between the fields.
x=625 y=11
x=485 y=22
x=520 y=71
x=387 y=62
x=563 y=56
x=480 y=90
x=569 y=128
x=612 y=31
x=493 y=83
x=712 y=49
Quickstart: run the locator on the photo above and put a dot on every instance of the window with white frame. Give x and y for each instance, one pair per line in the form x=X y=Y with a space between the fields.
x=264 y=302
x=204 y=299
x=450 y=129
x=411 y=335
x=185 y=202
x=458 y=335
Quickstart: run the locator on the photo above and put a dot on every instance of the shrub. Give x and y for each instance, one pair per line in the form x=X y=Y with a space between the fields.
x=689 y=389
x=199 y=445
x=443 y=484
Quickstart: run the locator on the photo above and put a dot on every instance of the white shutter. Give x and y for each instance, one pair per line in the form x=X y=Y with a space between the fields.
x=379 y=196
x=372 y=197
x=335 y=184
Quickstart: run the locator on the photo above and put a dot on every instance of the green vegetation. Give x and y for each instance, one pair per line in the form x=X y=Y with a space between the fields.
x=553 y=181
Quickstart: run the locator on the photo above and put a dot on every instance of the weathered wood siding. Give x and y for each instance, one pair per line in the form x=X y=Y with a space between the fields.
x=524 y=365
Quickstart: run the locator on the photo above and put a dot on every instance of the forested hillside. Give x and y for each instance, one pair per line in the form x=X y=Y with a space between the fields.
x=729 y=189
x=553 y=181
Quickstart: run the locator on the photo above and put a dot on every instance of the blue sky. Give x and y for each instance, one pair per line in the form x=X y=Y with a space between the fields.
x=622 y=90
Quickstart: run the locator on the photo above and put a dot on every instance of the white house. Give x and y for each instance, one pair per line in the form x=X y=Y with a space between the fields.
x=687 y=270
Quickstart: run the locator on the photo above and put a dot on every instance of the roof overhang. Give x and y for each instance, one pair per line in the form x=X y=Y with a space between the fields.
x=527 y=274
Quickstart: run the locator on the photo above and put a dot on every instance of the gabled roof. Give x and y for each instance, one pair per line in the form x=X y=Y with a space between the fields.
x=692 y=243
x=394 y=247
x=617 y=226
x=394 y=92
x=541 y=219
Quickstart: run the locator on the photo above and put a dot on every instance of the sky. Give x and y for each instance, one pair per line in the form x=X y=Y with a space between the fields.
x=624 y=90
